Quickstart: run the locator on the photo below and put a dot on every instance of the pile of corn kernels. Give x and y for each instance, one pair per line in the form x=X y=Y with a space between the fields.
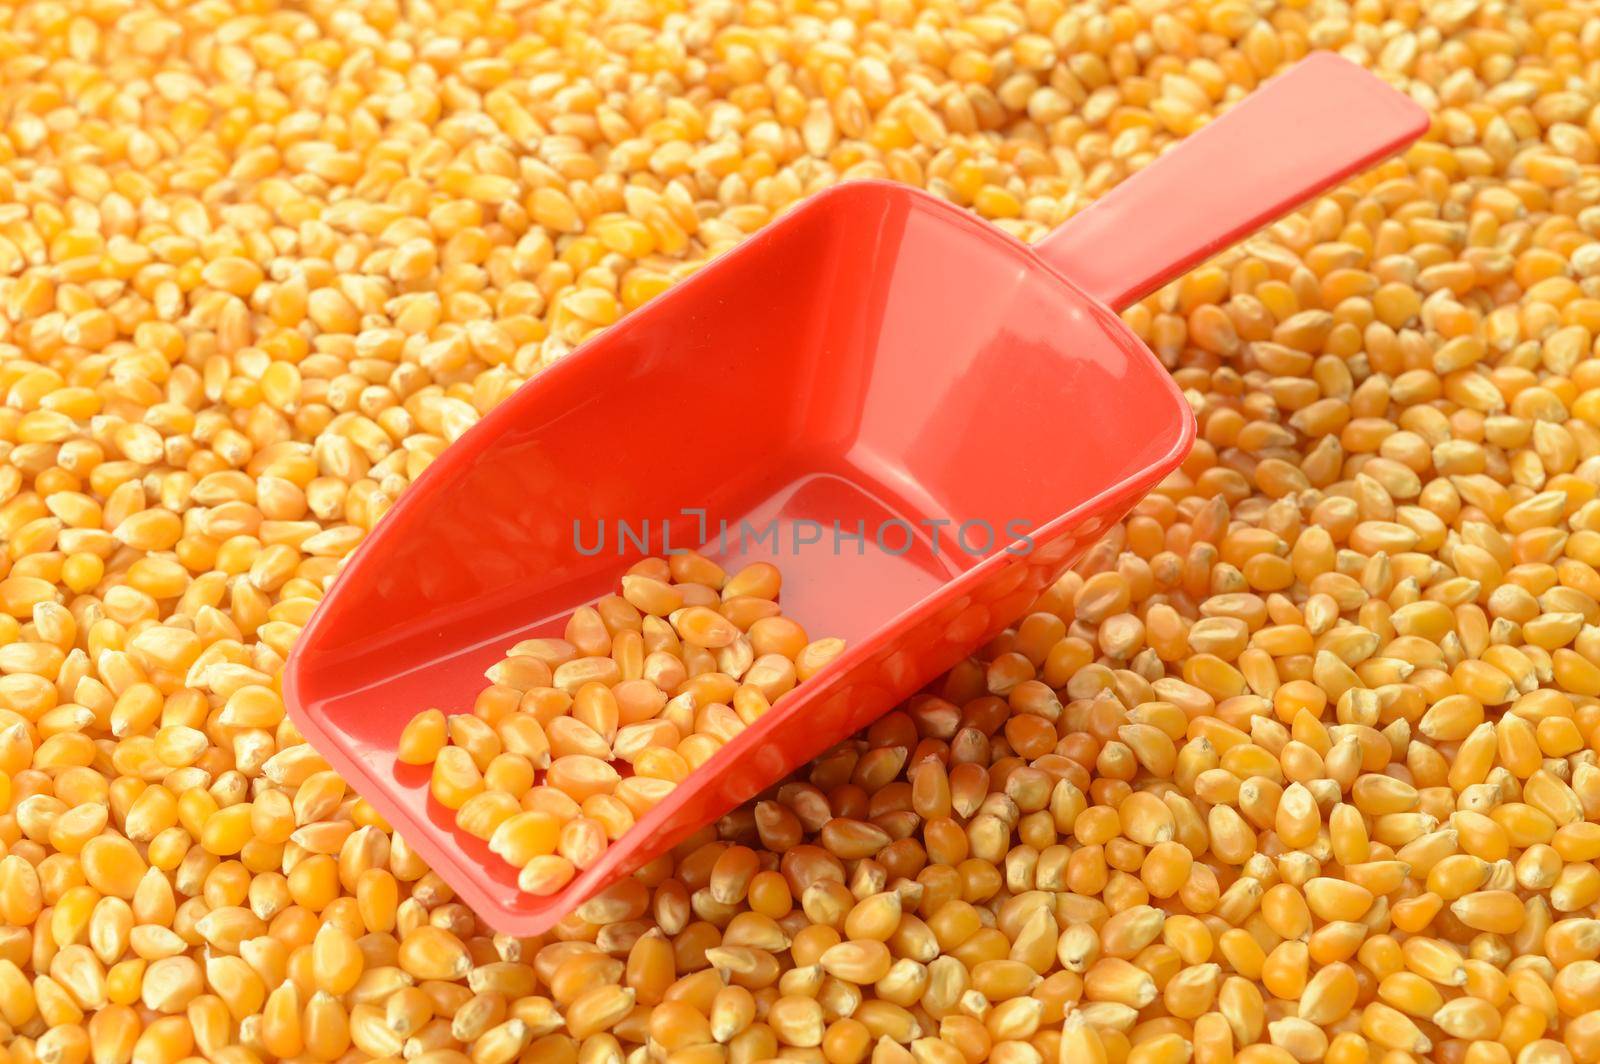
x=1323 y=783
x=652 y=682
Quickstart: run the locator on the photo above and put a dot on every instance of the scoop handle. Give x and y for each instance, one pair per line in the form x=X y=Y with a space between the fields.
x=1300 y=133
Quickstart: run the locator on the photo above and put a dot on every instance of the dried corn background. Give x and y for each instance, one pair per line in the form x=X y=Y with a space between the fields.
x=1323 y=784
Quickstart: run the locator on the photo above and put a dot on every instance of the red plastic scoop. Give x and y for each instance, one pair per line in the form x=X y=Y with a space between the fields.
x=876 y=358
